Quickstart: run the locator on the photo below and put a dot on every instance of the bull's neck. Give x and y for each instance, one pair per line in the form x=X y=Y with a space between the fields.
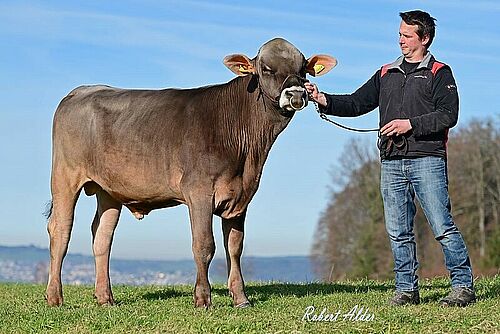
x=258 y=121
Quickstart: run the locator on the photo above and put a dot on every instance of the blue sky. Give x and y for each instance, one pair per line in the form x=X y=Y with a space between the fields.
x=50 y=47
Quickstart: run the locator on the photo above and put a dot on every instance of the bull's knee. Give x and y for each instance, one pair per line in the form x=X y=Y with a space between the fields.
x=204 y=251
x=51 y=226
x=211 y=252
x=235 y=249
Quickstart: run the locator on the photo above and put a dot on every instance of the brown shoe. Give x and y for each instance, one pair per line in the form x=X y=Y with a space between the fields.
x=459 y=297
x=401 y=298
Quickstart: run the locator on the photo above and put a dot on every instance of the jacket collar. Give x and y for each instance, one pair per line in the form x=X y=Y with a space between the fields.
x=425 y=63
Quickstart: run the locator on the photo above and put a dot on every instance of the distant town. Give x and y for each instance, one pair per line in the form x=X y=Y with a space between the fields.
x=29 y=264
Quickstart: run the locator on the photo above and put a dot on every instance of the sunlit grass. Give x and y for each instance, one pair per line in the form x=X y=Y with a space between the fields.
x=277 y=308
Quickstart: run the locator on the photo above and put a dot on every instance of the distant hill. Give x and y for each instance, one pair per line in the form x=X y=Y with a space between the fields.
x=30 y=264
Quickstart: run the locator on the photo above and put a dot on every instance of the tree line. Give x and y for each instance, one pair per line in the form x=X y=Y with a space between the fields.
x=350 y=239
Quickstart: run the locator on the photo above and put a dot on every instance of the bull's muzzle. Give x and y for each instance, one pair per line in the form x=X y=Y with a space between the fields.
x=293 y=98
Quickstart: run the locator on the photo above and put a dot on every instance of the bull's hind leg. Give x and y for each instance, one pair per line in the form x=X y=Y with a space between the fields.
x=203 y=249
x=65 y=191
x=233 y=230
x=103 y=228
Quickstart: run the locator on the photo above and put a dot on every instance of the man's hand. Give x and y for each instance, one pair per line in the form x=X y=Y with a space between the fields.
x=315 y=94
x=396 y=127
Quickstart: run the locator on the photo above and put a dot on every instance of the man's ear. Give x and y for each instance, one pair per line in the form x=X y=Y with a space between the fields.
x=425 y=40
x=320 y=64
x=239 y=64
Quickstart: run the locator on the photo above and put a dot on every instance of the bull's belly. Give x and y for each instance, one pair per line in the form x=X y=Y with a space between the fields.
x=140 y=209
x=140 y=200
x=141 y=195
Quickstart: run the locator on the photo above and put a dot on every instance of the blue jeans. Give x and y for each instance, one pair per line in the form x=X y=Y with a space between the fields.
x=426 y=178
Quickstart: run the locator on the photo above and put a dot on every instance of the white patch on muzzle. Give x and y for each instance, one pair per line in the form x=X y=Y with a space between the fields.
x=288 y=95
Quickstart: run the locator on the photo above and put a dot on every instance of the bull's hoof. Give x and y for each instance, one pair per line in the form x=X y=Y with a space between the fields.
x=109 y=302
x=243 y=305
x=104 y=300
x=54 y=300
x=203 y=303
x=240 y=300
x=205 y=306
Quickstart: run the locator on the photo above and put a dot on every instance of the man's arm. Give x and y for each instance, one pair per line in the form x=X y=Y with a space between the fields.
x=445 y=97
x=362 y=101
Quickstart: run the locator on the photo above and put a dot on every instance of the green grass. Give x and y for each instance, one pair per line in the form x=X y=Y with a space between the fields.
x=278 y=308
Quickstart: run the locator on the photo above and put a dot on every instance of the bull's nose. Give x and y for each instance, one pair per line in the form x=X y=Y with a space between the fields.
x=298 y=101
x=293 y=98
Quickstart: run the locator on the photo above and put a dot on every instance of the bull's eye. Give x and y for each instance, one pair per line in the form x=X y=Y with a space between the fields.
x=267 y=70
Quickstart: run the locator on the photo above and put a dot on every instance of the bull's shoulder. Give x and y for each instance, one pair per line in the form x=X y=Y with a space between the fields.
x=89 y=89
x=86 y=90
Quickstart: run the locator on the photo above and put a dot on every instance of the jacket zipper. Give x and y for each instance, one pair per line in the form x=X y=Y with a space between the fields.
x=402 y=95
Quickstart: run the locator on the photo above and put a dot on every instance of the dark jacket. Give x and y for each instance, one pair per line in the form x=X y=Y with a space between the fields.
x=427 y=96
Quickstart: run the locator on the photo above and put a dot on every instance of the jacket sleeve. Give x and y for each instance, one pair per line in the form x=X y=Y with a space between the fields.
x=362 y=101
x=445 y=98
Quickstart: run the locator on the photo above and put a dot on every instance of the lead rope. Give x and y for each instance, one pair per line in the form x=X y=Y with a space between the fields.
x=321 y=114
x=324 y=117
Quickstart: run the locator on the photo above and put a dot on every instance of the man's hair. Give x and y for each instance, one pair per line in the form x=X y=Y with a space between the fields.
x=424 y=22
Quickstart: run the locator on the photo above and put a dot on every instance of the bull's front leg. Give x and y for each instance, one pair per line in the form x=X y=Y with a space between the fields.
x=234 y=232
x=200 y=212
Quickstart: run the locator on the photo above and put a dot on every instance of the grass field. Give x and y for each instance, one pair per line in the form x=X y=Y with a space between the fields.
x=278 y=308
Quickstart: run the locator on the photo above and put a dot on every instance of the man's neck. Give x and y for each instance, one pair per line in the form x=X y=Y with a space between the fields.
x=416 y=58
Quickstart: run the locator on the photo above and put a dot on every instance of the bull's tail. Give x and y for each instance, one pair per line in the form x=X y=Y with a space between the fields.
x=48 y=209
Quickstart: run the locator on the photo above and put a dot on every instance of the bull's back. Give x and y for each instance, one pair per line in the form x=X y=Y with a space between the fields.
x=127 y=141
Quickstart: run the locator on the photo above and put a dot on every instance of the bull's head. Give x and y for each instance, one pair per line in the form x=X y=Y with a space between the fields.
x=280 y=69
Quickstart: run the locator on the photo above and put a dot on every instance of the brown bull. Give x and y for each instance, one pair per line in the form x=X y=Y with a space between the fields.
x=148 y=149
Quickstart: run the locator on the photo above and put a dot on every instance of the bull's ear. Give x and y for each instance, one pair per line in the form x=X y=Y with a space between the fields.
x=239 y=64
x=320 y=64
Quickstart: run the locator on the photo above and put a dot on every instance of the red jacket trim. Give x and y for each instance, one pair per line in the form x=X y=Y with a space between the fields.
x=384 y=70
x=436 y=67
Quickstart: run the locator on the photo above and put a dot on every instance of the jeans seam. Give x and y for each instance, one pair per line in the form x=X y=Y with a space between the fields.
x=409 y=226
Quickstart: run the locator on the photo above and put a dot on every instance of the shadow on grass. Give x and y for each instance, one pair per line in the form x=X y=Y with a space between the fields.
x=432 y=291
x=267 y=291
x=264 y=292
x=165 y=293
x=433 y=297
x=486 y=288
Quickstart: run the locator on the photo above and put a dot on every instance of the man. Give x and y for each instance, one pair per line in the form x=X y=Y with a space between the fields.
x=418 y=102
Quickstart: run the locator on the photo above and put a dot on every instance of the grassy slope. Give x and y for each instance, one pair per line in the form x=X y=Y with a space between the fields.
x=278 y=308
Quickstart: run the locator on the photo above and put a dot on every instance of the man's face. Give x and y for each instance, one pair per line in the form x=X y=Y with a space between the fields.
x=412 y=47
